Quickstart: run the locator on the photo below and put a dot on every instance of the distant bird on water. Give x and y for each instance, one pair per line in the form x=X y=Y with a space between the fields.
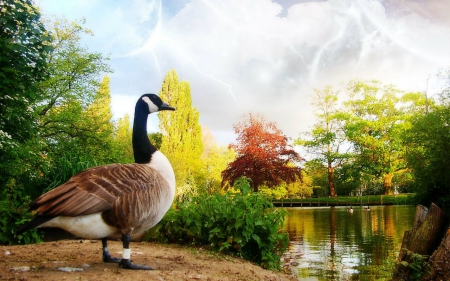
x=116 y=199
x=350 y=209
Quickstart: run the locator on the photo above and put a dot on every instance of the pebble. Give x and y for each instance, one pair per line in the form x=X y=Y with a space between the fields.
x=70 y=269
x=20 y=268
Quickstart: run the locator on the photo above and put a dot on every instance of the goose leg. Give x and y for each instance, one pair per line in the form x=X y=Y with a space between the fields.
x=125 y=262
x=106 y=256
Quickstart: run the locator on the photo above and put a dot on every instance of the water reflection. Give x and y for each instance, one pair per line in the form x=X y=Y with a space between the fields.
x=332 y=244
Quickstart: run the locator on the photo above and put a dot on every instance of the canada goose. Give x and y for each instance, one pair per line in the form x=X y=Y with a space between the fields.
x=116 y=199
x=367 y=208
x=350 y=209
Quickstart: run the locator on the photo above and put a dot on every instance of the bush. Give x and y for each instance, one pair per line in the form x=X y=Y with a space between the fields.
x=246 y=225
x=14 y=210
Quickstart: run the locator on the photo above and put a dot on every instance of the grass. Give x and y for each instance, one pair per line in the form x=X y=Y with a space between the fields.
x=400 y=199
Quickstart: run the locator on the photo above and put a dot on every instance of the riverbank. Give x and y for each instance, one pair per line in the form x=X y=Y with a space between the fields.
x=81 y=260
x=368 y=200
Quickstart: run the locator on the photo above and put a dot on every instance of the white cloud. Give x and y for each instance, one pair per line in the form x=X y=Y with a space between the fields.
x=242 y=56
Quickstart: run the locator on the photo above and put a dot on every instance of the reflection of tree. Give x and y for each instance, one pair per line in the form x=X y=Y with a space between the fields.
x=332 y=244
x=332 y=238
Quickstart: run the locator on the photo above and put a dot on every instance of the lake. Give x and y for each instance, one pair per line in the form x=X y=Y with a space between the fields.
x=330 y=243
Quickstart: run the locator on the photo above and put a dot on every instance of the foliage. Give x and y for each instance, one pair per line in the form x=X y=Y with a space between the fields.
x=215 y=159
x=97 y=116
x=156 y=139
x=60 y=112
x=74 y=110
x=123 y=148
x=376 y=116
x=246 y=225
x=327 y=140
x=23 y=57
x=277 y=192
x=243 y=185
x=429 y=156
x=13 y=207
x=263 y=154
x=186 y=191
x=416 y=267
x=181 y=131
x=64 y=167
x=300 y=188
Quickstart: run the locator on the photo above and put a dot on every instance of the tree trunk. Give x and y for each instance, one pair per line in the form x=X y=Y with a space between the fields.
x=331 y=181
x=387 y=184
x=423 y=239
x=254 y=186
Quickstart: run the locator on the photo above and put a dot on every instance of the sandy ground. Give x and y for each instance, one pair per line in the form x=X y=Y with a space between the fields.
x=82 y=258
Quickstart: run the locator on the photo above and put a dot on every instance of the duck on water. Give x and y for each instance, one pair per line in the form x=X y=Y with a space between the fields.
x=116 y=199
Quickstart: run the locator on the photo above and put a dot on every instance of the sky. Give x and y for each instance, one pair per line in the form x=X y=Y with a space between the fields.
x=261 y=56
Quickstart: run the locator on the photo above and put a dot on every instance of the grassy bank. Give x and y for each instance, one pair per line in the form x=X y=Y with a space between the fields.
x=400 y=199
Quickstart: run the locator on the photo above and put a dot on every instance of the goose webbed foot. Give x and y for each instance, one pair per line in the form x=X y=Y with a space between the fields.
x=127 y=264
x=107 y=258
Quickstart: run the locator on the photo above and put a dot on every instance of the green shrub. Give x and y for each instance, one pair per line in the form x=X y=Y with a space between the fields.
x=246 y=225
x=14 y=212
x=416 y=267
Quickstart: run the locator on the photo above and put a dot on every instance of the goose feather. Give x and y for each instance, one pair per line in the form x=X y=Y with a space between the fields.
x=137 y=190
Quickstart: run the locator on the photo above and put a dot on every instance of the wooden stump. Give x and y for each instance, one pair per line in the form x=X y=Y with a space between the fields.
x=424 y=239
x=440 y=260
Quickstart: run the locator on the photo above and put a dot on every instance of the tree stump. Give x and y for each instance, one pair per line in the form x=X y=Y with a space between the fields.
x=440 y=260
x=424 y=239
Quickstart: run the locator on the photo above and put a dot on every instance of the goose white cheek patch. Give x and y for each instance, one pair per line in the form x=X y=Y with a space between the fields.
x=126 y=254
x=151 y=106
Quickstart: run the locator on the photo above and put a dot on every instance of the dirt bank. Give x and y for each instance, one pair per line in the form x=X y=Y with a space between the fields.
x=83 y=257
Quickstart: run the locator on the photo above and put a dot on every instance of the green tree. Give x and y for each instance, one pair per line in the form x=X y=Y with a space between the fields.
x=300 y=188
x=376 y=116
x=181 y=131
x=65 y=120
x=123 y=149
x=317 y=172
x=23 y=58
x=67 y=135
x=326 y=141
x=428 y=154
x=215 y=159
x=97 y=117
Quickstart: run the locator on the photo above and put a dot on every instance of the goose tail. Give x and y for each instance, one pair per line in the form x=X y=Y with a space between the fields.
x=35 y=222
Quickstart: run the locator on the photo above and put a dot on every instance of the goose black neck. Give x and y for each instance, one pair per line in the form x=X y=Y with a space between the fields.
x=142 y=148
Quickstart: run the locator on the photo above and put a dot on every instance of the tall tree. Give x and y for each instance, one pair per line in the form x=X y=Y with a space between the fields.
x=182 y=134
x=376 y=117
x=98 y=117
x=71 y=87
x=263 y=155
x=123 y=149
x=215 y=159
x=327 y=140
x=23 y=55
x=428 y=152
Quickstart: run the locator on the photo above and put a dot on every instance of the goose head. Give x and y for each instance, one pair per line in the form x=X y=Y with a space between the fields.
x=151 y=103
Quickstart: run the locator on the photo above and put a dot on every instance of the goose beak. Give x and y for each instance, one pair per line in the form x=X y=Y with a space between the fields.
x=165 y=106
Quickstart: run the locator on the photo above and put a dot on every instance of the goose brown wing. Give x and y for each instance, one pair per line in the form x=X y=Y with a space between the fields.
x=94 y=190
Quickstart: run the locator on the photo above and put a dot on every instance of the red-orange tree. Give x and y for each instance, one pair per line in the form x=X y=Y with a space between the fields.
x=263 y=155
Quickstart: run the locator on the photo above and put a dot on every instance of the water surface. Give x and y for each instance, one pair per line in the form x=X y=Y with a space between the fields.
x=330 y=243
